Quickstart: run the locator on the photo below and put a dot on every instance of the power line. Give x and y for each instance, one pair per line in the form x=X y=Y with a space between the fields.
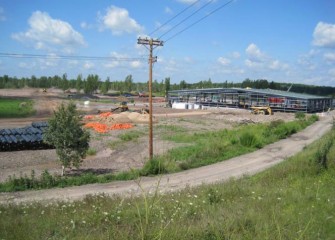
x=201 y=19
x=69 y=57
x=174 y=17
x=188 y=17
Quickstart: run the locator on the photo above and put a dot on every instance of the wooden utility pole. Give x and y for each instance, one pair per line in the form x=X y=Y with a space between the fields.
x=152 y=44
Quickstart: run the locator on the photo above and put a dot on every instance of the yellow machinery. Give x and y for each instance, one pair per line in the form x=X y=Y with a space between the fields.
x=261 y=110
x=122 y=108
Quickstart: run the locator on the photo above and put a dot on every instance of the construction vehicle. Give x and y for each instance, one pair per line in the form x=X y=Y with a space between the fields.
x=261 y=110
x=122 y=108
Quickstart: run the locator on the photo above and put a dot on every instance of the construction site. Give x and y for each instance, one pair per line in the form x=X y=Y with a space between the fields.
x=109 y=121
x=246 y=98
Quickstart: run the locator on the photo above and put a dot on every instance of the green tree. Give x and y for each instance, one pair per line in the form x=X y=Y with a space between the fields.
x=64 y=82
x=183 y=84
x=128 y=83
x=105 y=86
x=91 y=84
x=79 y=83
x=66 y=134
x=167 y=85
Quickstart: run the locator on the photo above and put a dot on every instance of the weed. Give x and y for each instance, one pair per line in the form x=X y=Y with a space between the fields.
x=130 y=136
x=300 y=115
x=322 y=153
x=154 y=166
x=247 y=139
x=91 y=152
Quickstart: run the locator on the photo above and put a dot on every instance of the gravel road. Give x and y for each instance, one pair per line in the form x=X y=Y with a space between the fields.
x=236 y=167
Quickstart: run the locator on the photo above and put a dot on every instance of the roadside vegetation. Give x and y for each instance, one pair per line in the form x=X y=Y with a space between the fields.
x=293 y=200
x=133 y=135
x=16 y=108
x=198 y=149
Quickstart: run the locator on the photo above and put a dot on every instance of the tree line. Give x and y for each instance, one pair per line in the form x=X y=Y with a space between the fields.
x=93 y=83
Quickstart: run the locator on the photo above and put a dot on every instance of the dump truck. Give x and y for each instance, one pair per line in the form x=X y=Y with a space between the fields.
x=264 y=110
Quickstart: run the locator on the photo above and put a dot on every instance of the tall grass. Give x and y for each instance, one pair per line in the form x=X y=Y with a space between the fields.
x=16 y=108
x=292 y=200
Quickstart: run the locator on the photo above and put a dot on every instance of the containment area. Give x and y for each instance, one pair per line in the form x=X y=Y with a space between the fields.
x=245 y=98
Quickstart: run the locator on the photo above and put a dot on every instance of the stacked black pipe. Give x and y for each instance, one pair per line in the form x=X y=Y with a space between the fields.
x=27 y=138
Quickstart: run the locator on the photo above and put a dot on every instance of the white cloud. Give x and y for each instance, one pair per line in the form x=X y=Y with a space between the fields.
x=45 y=31
x=2 y=15
x=51 y=61
x=224 y=61
x=189 y=60
x=254 y=53
x=252 y=64
x=135 y=64
x=118 y=21
x=119 y=60
x=324 y=35
x=86 y=25
x=168 y=10
x=332 y=72
x=236 y=55
x=277 y=65
x=26 y=65
x=187 y=1
x=88 y=65
x=262 y=62
x=329 y=57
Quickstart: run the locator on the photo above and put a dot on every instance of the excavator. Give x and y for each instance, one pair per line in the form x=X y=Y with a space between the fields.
x=264 y=110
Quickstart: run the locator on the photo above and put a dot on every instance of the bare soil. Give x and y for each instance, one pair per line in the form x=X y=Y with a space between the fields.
x=125 y=156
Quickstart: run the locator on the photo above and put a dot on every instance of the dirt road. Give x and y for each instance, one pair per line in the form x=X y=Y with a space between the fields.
x=236 y=167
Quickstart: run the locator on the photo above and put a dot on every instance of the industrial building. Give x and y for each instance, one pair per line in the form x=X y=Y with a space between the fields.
x=246 y=97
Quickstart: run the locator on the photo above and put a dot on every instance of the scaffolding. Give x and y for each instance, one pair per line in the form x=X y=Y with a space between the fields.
x=245 y=98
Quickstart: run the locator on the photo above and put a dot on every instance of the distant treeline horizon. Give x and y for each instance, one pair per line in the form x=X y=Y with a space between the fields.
x=93 y=83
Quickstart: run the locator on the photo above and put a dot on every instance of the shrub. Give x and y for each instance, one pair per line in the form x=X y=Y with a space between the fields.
x=153 y=167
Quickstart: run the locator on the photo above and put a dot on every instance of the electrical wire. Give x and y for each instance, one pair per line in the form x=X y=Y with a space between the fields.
x=201 y=19
x=174 y=17
x=188 y=17
x=69 y=57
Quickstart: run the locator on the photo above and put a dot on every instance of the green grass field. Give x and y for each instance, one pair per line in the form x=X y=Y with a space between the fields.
x=16 y=108
x=293 y=200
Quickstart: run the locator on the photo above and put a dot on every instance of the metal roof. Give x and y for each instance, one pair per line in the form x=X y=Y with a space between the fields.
x=284 y=93
x=248 y=90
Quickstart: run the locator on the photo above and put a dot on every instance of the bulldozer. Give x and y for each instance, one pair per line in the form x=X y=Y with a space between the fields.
x=122 y=108
x=261 y=110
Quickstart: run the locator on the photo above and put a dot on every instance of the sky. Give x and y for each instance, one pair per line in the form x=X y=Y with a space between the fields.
x=278 y=40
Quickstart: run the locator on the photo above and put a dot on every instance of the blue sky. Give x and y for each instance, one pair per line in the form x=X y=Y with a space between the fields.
x=277 y=40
